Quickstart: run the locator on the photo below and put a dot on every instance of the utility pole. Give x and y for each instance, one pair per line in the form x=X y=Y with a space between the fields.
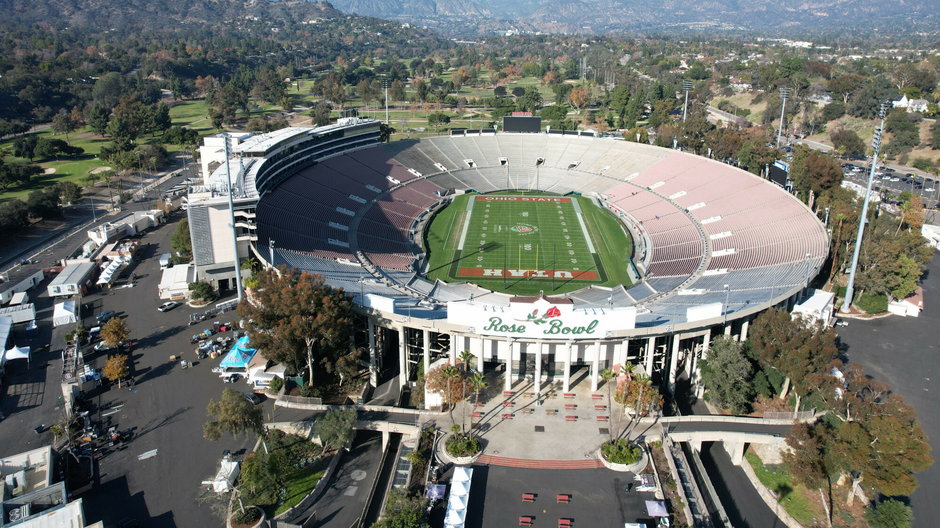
x=784 y=93
x=863 y=219
x=686 y=87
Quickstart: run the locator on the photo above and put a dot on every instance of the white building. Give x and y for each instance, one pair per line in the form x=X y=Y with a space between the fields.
x=815 y=308
x=912 y=105
x=72 y=280
x=911 y=306
x=17 y=281
x=174 y=284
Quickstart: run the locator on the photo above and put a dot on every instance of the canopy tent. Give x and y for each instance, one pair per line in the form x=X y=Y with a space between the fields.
x=64 y=313
x=656 y=508
x=109 y=272
x=16 y=353
x=459 y=496
x=240 y=354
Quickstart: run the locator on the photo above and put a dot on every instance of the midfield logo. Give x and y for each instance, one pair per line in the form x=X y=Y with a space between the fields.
x=528 y=273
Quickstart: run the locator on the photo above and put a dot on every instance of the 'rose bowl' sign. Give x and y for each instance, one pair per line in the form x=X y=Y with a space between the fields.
x=541 y=319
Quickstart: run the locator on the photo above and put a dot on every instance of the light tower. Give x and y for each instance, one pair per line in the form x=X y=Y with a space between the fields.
x=784 y=93
x=231 y=216
x=686 y=87
x=876 y=145
x=385 y=85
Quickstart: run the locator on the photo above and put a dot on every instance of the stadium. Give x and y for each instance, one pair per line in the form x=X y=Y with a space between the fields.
x=548 y=256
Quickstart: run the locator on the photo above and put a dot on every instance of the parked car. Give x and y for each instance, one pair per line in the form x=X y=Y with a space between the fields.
x=102 y=346
x=254 y=398
x=231 y=378
x=105 y=316
x=167 y=306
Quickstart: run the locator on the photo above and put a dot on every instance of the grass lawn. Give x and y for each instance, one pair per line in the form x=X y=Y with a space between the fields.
x=791 y=496
x=300 y=482
x=526 y=243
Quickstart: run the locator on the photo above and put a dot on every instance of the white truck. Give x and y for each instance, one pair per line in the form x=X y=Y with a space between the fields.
x=165 y=261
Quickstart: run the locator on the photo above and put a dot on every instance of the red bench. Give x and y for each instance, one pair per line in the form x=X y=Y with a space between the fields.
x=562 y=498
x=506 y=416
x=601 y=418
x=571 y=406
x=597 y=396
x=508 y=393
x=528 y=497
x=564 y=523
x=571 y=418
x=525 y=520
x=508 y=404
x=476 y=414
x=600 y=407
x=569 y=395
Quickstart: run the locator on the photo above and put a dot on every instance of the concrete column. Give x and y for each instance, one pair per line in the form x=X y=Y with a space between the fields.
x=373 y=356
x=509 y=367
x=696 y=445
x=648 y=361
x=743 y=330
x=426 y=342
x=735 y=450
x=402 y=358
x=385 y=438
x=595 y=366
x=706 y=342
x=728 y=329
x=620 y=356
x=480 y=355
x=566 y=382
x=538 y=370
x=674 y=362
x=452 y=357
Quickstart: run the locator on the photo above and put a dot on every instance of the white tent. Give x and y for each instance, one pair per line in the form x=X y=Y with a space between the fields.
x=64 y=313
x=459 y=497
x=16 y=353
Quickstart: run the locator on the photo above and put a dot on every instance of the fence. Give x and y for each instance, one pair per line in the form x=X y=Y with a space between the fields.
x=222 y=307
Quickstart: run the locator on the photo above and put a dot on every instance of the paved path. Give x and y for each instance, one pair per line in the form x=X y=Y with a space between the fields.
x=902 y=352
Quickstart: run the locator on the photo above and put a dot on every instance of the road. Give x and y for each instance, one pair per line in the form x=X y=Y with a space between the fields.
x=902 y=352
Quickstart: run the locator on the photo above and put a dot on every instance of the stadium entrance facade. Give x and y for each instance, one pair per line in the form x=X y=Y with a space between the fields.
x=712 y=246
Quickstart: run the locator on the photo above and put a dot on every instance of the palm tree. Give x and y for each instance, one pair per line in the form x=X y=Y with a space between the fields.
x=608 y=376
x=450 y=373
x=477 y=384
x=466 y=357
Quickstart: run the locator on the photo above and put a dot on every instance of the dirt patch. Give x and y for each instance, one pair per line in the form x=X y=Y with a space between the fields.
x=50 y=170
x=670 y=491
x=98 y=170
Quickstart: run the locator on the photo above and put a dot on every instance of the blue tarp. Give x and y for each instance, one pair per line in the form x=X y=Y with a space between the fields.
x=240 y=355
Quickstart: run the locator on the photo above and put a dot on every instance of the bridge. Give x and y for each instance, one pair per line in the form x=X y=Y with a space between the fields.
x=734 y=432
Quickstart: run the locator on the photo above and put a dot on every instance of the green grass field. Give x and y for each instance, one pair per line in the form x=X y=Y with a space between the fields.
x=526 y=243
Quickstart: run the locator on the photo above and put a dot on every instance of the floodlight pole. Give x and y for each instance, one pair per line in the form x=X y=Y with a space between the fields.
x=784 y=93
x=686 y=87
x=231 y=216
x=385 y=85
x=271 y=250
x=727 y=301
x=876 y=144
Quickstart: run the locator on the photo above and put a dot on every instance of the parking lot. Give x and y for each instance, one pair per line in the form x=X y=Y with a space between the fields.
x=164 y=410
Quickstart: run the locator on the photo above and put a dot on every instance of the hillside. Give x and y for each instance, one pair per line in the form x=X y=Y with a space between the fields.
x=599 y=16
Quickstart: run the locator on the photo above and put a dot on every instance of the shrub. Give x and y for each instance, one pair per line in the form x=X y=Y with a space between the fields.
x=276 y=385
x=248 y=516
x=462 y=445
x=890 y=513
x=621 y=451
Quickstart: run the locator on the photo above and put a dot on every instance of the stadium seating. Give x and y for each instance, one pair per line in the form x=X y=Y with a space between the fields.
x=761 y=240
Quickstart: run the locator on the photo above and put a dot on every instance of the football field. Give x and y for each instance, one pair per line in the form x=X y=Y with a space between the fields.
x=524 y=244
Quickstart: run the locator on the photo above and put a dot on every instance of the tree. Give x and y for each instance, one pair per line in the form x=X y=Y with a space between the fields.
x=726 y=374
x=335 y=427
x=232 y=414
x=201 y=291
x=436 y=119
x=530 y=100
x=886 y=255
x=321 y=113
x=114 y=332
x=62 y=123
x=935 y=136
x=182 y=243
x=44 y=204
x=814 y=171
x=796 y=349
x=579 y=97
x=477 y=385
x=637 y=393
x=847 y=143
x=403 y=510
x=447 y=380
x=833 y=111
x=846 y=85
x=608 y=376
x=299 y=320
x=116 y=368
x=889 y=513
x=69 y=192
x=97 y=117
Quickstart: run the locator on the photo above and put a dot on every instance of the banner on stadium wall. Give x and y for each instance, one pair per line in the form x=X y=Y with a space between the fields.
x=541 y=319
